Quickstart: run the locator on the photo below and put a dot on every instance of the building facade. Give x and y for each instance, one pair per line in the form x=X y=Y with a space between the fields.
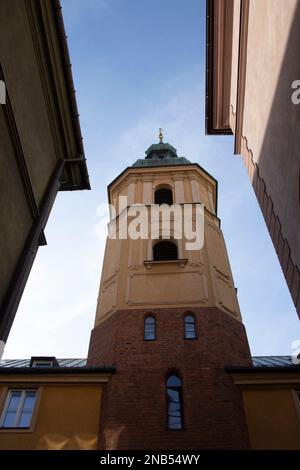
x=253 y=72
x=169 y=365
x=160 y=286
x=41 y=147
x=51 y=405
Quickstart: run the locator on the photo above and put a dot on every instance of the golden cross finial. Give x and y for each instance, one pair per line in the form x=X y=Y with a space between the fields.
x=160 y=135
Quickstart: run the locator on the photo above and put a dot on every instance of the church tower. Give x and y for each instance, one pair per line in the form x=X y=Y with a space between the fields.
x=168 y=316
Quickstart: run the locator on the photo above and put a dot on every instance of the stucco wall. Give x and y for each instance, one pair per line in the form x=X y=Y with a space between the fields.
x=273 y=417
x=25 y=89
x=271 y=123
x=35 y=132
x=15 y=216
x=67 y=417
x=204 y=279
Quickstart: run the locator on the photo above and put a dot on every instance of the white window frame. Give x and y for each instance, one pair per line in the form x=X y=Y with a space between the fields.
x=19 y=409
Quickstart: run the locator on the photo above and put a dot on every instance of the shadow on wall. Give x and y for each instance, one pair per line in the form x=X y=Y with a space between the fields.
x=276 y=182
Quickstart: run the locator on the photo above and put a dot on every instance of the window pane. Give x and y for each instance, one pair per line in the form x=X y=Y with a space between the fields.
x=14 y=400
x=173 y=395
x=189 y=326
x=174 y=402
x=149 y=335
x=189 y=319
x=149 y=329
x=190 y=335
x=9 y=419
x=29 y=400
x=174 y=423
x=25 y=419
x=173 y=381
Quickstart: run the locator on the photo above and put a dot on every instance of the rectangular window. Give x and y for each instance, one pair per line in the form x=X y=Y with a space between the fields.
x=149 y=329
x=42 y=364
x=18 y=409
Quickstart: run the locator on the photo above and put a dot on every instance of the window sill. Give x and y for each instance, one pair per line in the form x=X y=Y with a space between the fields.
x=150 y=263
x=15 y=430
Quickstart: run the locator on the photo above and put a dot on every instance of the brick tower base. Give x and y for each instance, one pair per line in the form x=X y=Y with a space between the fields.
x=134 y=404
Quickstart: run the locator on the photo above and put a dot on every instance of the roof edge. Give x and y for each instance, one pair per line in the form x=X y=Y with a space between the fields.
x=67 y=71
x=167 y=166
x=261 y=369
x=57 y=370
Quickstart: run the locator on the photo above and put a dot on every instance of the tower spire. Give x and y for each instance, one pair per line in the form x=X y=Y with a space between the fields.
x=160 y=135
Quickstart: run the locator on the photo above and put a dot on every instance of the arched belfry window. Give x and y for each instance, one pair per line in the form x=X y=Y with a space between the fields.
x=174 y=402
x=149 y=329
x=189 y=327
x=165 y=251
x=163 y=196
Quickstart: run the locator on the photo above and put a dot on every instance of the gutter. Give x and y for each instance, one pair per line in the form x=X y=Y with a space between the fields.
x=67 y=68
x=262 y=369
x=56 y=370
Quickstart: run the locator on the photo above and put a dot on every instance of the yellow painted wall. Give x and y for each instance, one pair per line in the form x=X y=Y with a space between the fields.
x=67 y=417
x=204 y=280
x=273 y=417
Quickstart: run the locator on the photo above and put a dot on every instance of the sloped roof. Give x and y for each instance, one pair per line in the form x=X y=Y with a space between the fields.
x=147 y=162
x=8 y=363
x=161 y=154
x=258 y=362
x=272 y=361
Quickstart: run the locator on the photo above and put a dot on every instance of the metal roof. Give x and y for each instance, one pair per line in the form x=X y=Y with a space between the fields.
x=161 y=154
x=145 y=163
x=272 y=361
x=258 y=362
x=25 y=362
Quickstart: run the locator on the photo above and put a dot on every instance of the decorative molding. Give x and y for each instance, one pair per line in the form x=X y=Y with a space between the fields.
x=268 y=378
x=43 y=61
x=107 y=281
x=58 y=90
x=181 y=262
x=225 y=277
x=32 y=379
x=241 y=79
x=219 y=31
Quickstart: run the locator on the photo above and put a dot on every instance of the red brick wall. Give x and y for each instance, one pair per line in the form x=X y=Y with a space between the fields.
x=134 y=406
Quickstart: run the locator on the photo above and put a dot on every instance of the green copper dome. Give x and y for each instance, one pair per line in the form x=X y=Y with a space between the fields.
x=161 y=155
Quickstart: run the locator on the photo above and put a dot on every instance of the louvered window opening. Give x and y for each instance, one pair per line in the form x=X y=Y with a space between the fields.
x=163 y=196
x=165 y=251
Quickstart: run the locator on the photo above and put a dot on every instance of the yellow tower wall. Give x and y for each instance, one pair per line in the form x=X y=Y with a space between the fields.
x=200 y=278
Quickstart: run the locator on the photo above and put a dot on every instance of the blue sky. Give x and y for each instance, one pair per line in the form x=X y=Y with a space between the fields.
x=137 y=66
